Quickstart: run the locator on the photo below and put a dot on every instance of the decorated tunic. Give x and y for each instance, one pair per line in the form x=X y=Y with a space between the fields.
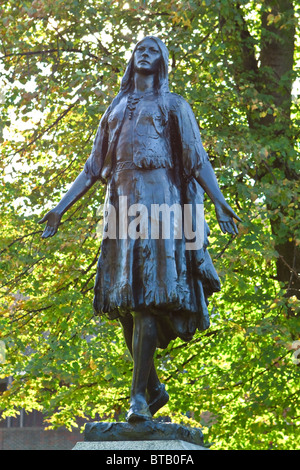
x=148 y=152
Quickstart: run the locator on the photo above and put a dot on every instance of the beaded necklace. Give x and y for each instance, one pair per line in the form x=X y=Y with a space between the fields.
x=133 y=101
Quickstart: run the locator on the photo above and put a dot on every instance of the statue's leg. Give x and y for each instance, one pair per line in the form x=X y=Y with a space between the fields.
x=154 y=384
x=157 y=395
x=144 y=342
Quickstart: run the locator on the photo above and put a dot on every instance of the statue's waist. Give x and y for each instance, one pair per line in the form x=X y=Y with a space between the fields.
x=150 y=165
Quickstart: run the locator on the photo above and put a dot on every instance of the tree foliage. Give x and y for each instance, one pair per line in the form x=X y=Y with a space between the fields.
x=235 y=62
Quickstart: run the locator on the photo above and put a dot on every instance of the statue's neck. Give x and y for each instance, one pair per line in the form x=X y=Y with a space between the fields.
x=143 y=83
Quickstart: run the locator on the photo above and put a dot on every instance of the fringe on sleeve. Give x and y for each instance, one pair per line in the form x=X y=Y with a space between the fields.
x=193 y=154
x=94 y=163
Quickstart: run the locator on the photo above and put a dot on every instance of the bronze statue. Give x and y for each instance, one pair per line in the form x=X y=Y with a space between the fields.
x=148 y=152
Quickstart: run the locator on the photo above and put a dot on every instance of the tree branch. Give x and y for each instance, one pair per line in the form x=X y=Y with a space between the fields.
x=23 y=272
x=40 y=134
x=48 y=51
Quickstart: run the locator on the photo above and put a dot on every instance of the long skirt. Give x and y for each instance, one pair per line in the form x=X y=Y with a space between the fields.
x=144 y=264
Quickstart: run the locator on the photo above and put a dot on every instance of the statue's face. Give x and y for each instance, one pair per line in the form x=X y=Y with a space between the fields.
x=147 y=57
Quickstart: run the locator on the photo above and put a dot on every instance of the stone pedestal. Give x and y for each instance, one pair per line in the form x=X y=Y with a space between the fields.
x=154 y=445
x=141 y=436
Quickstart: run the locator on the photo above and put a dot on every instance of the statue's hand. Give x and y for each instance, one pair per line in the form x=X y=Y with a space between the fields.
x=225 y=216
x=52 y=218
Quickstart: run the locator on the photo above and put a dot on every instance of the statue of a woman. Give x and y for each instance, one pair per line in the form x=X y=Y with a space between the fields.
x=148 y=151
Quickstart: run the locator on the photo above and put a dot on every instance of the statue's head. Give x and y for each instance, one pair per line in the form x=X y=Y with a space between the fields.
x=150 y=56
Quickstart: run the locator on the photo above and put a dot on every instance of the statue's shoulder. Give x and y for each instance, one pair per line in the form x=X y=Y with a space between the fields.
x=176 y=102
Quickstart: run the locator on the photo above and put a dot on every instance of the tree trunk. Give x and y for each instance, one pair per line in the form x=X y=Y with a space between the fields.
x=272 y=78
x=276 y=67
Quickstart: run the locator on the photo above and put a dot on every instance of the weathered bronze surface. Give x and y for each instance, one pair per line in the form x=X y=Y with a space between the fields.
x=148 y=152
x=142 y=431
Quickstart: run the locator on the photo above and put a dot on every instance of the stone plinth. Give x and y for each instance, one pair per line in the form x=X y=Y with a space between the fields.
x=153 y=445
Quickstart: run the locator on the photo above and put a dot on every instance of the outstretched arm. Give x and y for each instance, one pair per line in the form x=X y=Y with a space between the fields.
x=80 y=186
x=225 y=215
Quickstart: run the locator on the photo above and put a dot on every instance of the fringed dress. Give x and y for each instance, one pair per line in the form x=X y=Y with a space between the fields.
x=149 y=159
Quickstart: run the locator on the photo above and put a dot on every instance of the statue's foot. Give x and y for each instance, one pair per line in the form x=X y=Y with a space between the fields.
x=160 y=400
x=138 y=411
